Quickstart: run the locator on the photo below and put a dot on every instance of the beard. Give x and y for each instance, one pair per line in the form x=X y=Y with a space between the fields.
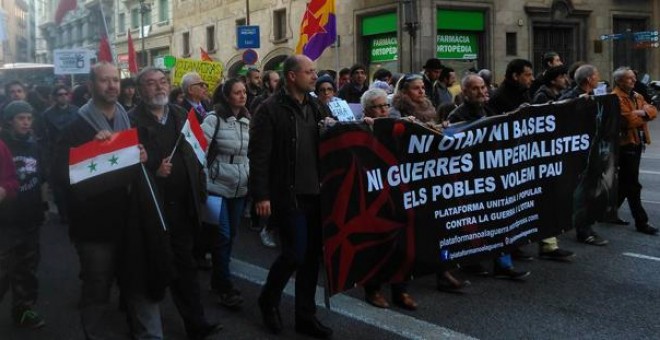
x=158 y=100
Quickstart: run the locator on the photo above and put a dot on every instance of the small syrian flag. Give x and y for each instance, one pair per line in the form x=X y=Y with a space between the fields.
x=193 y=134
x=94 y=165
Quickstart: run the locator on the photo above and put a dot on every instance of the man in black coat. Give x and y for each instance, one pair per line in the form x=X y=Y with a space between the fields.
x=514 y=90
x=181 y=184
x=285 y=184
x=352 y=91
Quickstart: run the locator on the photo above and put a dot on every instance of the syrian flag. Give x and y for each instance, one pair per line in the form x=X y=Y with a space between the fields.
x=98 y=166
x=193 y=134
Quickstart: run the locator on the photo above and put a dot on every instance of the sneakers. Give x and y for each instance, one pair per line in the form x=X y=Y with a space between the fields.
x=267 y=238
x=28 y=319
x=594 y=240
x=510 y=274
x=557 y=255
x=231 y=299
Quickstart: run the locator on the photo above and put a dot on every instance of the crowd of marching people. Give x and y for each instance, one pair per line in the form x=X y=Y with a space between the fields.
x=262 y=169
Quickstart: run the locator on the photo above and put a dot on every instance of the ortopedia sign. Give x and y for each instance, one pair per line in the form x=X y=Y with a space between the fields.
x=457 y=46
x=384 y=49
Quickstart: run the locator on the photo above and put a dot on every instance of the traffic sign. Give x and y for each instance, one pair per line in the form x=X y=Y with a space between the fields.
x=250 y=57
x=247 y=37
x=615 y=36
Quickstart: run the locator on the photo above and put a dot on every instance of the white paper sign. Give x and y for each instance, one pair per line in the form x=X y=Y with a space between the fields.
x=341 y=110
x=75 y=61
x=211 y=210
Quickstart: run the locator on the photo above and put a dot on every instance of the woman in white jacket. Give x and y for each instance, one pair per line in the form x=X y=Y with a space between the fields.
x=227 y=178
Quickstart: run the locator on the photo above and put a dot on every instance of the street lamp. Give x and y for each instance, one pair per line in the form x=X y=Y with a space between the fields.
x=144 y=9
x=411 y=24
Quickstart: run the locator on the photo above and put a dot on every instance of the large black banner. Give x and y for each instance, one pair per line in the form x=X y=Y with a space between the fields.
x=402 y=200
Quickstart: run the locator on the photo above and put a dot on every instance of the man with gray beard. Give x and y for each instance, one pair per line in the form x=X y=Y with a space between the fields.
x=181 y=185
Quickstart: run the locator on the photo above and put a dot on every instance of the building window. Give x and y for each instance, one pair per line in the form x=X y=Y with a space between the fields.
x=135 y=18
x=163 y=10
x=210 y=38
x=511 y=43
x=241 y=22
x=279 y=25
x=121 y=23
x=185 y=37
x=628 y=51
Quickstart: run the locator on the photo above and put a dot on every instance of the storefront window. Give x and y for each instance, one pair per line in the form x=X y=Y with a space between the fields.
x=460 y=40
x=380 y=39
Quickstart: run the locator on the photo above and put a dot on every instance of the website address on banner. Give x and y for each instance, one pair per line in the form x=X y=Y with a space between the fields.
x=482 y=249
x=490 y=233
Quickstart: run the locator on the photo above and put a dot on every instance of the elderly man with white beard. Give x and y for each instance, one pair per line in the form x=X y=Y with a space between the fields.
x=181 y=185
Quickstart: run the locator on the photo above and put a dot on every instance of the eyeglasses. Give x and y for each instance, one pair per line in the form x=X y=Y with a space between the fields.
x=381 y=106
x=201 y=83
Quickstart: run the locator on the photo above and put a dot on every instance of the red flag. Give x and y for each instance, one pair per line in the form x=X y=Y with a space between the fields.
x=132 y=60
x=104 y=53
x=204 y=55
x=64 y=7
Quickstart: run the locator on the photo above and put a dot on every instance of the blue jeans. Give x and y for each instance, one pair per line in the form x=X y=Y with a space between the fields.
x=231 y=213
x=504 y=261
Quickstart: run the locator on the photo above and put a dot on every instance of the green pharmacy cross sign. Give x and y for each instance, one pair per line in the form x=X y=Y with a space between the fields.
x=457 y=46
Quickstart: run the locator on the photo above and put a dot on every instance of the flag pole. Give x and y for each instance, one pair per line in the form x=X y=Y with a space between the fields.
x=153 y=196
x=175 y=145
x=337 y=44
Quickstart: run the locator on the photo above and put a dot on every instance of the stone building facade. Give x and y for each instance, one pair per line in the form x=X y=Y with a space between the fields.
x=401 y=35
x=80 y=28
x=17 y=46
x=397 y=34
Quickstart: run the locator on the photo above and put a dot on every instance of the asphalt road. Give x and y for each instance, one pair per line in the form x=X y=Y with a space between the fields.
x=609 y=292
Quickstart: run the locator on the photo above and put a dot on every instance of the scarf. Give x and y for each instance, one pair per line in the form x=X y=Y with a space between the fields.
x=424 y=111
x=97 y=120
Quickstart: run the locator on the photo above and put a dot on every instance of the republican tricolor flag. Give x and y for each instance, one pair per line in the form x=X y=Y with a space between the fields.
x=193 y=134
x=101 y=165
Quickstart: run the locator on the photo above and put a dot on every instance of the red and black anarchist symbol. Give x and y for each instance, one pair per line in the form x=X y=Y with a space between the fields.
x=366 y=240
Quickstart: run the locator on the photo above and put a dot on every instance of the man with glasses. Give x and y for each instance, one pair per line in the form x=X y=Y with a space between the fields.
x=285 y=185
x=182 y=187
x=56 y=118
x=195 y=91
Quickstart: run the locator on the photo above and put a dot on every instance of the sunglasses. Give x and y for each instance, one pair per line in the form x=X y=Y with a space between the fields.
x=412 y=76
